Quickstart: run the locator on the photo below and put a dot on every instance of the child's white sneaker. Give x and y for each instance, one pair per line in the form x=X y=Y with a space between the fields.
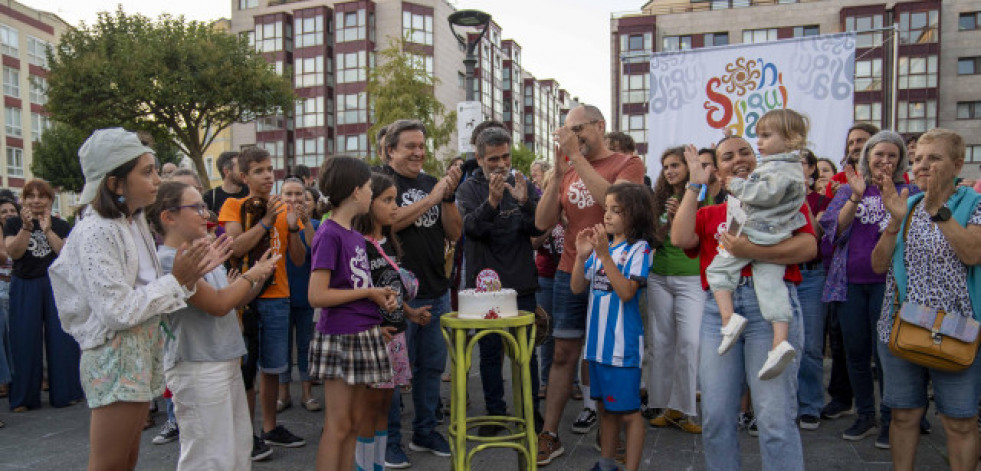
x=777 y=360
x=731 y=332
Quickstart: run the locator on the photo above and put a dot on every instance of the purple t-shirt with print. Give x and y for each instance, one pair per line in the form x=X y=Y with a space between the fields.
x=342 y=251
x=871 y=218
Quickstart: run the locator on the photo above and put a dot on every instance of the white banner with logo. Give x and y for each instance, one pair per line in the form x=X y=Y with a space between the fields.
x=696 y=95
x=468 y=116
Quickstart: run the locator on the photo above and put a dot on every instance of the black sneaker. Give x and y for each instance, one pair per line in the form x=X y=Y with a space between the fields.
x=279 y=436
x=585 y=422
x=864 y=426
x=809 y=422
x=833 y=410
x=882 y=441
x=260 y=451
x=925 y=427
x=752 y=429
x=168 y=433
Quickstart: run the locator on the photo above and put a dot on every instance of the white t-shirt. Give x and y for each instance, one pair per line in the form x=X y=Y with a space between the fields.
x=147 y=271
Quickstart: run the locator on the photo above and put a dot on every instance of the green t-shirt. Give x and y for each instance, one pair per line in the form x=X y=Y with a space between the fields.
x=672 y=261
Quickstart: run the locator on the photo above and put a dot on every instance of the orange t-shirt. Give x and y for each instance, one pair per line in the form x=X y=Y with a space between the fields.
x=231 y=211
x=584 y=209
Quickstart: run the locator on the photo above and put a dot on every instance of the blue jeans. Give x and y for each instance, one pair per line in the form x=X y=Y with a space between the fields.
x=569 y=316
x=274 y=327
x=427 y=354
x=810 y=395
x=955 y=393
x=858 y=317
x=547 y=348
x=4 y=342
x=300 y=331
x=722 y=379
x=491 y=363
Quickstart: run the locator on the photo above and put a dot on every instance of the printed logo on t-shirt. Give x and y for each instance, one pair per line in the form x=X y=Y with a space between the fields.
x=558 y=238
x=38 y=245
x=579 y=195
x=360 y=274
x=274 y=242
x=413 y=195
x=601 y=281
x=872 y=211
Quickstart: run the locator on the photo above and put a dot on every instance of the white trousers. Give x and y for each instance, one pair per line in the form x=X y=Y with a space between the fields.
x=674 y=309
x=213 y=416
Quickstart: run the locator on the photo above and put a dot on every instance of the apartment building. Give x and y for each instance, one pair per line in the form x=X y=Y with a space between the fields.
x=937 y=69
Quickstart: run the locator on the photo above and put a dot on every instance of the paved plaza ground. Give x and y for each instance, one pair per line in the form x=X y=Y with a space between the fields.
x=57 y=439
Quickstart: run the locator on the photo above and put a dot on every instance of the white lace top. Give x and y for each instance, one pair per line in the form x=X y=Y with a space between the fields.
x=95 y=281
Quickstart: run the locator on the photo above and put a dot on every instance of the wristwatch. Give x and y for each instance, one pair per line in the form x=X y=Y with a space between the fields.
x=942 y=214
x=246 y=277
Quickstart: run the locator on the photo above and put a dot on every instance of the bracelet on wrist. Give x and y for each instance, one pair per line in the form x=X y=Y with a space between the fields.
x=293 y=229
x=246 y=277
x=264 y=225
x=854 y=201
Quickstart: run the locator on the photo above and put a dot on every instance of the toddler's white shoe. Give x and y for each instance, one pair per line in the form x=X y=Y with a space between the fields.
x=777 y=360
x=731 y=332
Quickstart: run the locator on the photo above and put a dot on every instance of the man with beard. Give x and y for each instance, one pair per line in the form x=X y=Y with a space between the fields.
x=584 y=169
x=498 y=212
x=231 y=184
x=858 y=135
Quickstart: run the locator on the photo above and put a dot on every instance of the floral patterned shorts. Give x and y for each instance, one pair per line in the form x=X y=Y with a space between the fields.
x=127 y=368
x=398 y=355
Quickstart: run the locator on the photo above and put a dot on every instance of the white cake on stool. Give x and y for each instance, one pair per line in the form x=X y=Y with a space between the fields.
x=487 y=304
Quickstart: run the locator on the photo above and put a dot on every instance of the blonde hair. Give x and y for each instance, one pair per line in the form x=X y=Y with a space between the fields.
x=791 y=125
x=953 y=143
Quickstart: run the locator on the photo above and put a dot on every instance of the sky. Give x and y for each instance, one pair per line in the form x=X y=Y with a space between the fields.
x=566 y=40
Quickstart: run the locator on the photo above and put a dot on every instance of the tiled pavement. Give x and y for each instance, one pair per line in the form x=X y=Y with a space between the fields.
x=57 y=439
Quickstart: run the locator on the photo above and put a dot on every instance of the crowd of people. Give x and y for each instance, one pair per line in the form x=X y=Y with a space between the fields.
x=665 y=310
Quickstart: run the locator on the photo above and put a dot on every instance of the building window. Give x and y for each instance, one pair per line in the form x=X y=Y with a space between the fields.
x=418 y=28
x=726 y=4
x=759 y=35
x=310 y=31
x=15 y=162
x=12 y=116
x=968 y=65
x=422 y=62
x=39 y=90
x=352 y=108
x=969 y=110
x=209 y=163
x=676 y=43
x=805 y=31
x=461 y=79
x=355 y=143
x=39 y=124
x=869 y=113
x=246 y=4
x=917 y=72
x=276 y=122
x=972 y=153
x=918 y=27
x=269 y=37
x=969 y=21
x=11 y=82
x=9 y=41
x=633 y=88
x=716 y=39
x=276 y=150
x=310 y=152
x=636 y=42
x=352 y=67
x=868 y=75
x=917 y=116
x=310 y=112
x=865 y=23
x=309 y=71
x=37 y=52
x=636 y=126
x=351 y=26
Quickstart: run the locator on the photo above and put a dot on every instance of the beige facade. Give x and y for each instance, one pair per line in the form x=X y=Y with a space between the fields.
x=932 y=46
x=25 y=35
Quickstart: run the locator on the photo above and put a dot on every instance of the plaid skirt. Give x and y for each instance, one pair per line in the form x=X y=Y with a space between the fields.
x=359 y=358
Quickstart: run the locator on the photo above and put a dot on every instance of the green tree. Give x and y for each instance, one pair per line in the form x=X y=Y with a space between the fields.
x=182 y=81
x=400 y=88
x=522 y=158
x=56 y=156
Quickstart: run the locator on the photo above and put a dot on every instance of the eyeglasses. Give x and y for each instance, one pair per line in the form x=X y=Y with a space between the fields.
x=200 y=208
x=579 y=127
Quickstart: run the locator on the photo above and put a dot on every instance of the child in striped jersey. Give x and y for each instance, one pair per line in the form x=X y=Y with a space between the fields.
x=615 y=271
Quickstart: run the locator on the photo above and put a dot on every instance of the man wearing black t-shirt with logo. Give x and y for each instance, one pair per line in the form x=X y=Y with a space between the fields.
x=427 y=216
x=232 y=185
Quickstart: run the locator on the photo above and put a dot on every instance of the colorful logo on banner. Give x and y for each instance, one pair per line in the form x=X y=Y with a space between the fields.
x=747 y=90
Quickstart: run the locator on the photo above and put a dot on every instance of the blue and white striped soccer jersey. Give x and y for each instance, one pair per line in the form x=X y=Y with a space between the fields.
x=614 y=332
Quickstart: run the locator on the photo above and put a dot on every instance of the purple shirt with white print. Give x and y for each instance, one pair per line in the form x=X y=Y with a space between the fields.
x=342 y=251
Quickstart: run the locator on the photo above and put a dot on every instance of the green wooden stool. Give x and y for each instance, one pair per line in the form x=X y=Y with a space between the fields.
x=518 y=337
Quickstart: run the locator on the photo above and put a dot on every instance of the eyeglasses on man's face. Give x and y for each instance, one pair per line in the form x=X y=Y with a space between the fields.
x=579 y=127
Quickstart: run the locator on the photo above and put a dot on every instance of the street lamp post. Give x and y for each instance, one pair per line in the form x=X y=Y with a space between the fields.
x=470 y=19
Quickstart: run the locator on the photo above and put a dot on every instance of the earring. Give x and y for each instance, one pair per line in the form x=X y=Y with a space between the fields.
x=121 y=199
